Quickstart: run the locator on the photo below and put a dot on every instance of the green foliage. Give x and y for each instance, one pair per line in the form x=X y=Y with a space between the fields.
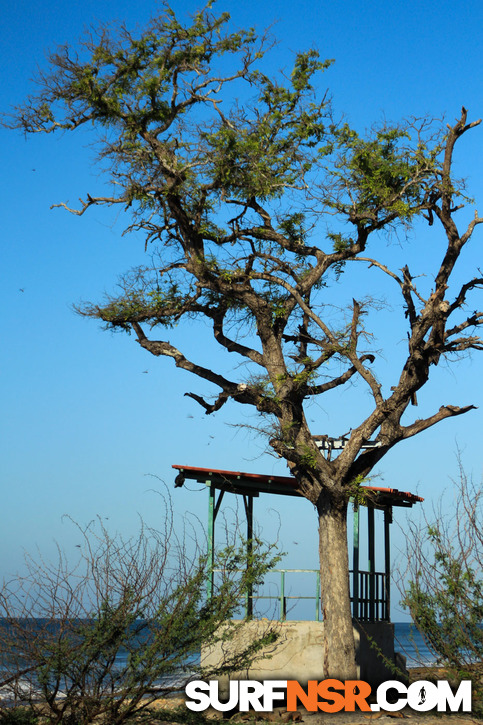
x=341 y=243
x=198 y=138
x=308 y=457
x=444 y=594
x=18 y=716
x=110 y=630
x=356 y=492
x=307 y=376
x=450 y=615
x=385 y=174
x=292 y=226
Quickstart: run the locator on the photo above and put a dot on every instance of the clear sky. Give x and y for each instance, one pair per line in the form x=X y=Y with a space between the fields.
x=88 y=418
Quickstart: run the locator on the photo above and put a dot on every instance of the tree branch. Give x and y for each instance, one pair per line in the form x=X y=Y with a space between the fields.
x=446 y=411
x=340 y=380
x=474 y=320
x=210 y=408
x=232 y=345
x=241 y=392
x=461 y=296
x=405 y=282
x=300 y=301
x=159 y=347
x=351 y=355
x=90 y=201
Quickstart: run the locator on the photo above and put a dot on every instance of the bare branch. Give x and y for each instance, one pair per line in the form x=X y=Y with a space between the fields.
x=471 y=227
x=446 y=411
x=159 y=347
x=405 y=282
x=209 y=408
x=474 y=320
x=241 y=392
x=90 y=202
x=461 y=296
x=340 y=380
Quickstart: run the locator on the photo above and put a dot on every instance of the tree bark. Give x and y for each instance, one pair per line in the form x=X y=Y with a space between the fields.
x=339 y=654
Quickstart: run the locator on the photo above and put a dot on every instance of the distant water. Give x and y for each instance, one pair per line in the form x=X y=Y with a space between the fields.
x=409 y=642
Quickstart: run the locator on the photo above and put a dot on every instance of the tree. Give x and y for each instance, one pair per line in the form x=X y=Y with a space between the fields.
x=444 y=593
x=252 y=200
x=107 y=635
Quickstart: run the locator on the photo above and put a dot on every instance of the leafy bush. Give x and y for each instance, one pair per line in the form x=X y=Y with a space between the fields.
x=110 y=634
x=444 y=594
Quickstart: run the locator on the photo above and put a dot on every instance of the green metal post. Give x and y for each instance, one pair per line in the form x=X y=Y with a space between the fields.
x=371 y=563
x=355 y=563
x=249 y=512
x=387 y=557
x=211 y=539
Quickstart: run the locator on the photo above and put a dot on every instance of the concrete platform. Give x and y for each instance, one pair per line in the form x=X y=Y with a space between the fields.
x=299 y=652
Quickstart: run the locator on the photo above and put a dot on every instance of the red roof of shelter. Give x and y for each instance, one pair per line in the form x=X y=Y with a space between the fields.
x=253 y=484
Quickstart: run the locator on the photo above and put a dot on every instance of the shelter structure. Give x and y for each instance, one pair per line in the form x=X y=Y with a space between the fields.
x=370 y=589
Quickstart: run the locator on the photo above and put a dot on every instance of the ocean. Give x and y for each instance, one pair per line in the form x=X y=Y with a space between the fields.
x=410 y=643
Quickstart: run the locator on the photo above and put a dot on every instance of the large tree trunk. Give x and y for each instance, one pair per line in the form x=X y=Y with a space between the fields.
x=339 y=657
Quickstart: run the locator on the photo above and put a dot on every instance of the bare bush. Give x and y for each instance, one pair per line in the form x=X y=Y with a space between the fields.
x=124 y=624
x=444 y=587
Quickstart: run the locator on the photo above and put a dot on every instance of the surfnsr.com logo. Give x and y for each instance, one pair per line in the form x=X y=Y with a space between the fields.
x=329 y=696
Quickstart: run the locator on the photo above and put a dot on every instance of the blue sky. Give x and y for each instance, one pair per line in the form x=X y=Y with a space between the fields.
x=84 y=428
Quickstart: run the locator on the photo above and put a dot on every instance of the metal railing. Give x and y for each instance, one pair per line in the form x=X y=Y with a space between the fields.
x=371 y=603
x=283 y=597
